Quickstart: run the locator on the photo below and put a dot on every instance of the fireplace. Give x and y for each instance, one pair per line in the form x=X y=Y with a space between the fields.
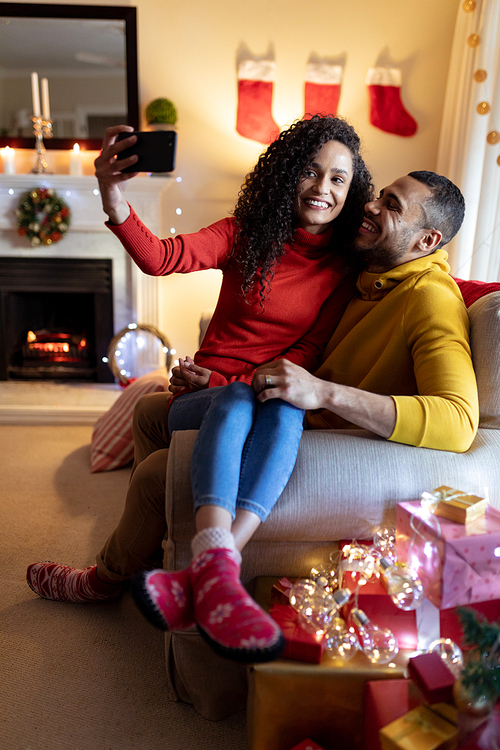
x=56 y=318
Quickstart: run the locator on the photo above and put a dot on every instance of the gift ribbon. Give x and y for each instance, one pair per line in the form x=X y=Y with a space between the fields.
x=431 y=500
x=428 y=503
x=418 y=723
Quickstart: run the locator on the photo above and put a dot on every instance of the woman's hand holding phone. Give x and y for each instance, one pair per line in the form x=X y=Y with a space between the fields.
x=107 y=170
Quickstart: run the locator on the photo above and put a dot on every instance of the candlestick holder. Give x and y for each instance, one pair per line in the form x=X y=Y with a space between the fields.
x=41 y=128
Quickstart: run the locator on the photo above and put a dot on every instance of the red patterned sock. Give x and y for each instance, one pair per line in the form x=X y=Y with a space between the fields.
x=322 y=89
x=166 y=599
x=387 y=111
x=227 y=616
x=62 y=584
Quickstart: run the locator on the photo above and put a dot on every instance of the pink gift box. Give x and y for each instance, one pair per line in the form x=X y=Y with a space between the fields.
x=457 y=564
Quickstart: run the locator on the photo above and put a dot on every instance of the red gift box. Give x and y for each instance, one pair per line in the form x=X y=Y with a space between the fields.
x=450 y=626
x=300 y=645
x=384 y=702
x=375 y=602
x=432 y=677
x=280 y=592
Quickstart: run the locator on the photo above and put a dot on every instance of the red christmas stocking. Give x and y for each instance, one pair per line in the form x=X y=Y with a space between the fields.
x=255 y=95
x=386 y=108
x=322 y=89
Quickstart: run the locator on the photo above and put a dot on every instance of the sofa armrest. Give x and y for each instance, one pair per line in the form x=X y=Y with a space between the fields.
x=484 y=317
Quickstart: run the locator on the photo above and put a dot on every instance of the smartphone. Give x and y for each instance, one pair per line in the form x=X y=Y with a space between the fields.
x=156 y=151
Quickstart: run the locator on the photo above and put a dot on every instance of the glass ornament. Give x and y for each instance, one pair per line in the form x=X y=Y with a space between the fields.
x=319 y=575
x=340 y=642
x=384 y=540
x=379 y=644
x=326 y=577
x=450 y=653
x=483 y=108
x=319 y=609
x=476 y=707
x=300 y=590
x=403 y=584
x=358 y=559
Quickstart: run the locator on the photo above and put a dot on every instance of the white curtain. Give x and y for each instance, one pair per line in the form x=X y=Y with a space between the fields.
x=465 y=155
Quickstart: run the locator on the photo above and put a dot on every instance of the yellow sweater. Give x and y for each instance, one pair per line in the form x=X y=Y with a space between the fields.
x=407 y=336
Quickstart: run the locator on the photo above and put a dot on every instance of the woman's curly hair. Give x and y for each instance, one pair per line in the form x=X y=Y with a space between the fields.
x=265 y=214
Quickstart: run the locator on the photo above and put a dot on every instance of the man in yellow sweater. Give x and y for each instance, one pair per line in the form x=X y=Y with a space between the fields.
x=399 y=362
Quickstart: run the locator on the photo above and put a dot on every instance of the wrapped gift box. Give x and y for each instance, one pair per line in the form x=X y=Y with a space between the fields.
x=457 y=506
x=300 y=644
x=419 y=729
x=432 y=677
x=375 y=602
x=384 y=702
x=289 y=700
x=456 y=564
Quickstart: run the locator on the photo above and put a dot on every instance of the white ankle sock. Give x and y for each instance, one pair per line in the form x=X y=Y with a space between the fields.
x=214 y=538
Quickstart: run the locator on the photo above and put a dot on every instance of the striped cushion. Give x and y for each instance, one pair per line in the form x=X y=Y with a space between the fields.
x=112 y=442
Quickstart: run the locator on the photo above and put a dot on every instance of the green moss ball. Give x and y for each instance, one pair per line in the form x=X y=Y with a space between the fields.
x=161 y=111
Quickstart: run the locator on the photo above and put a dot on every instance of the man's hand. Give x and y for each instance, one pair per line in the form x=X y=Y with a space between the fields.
x=291 y=383
x=107 y=170
x=282 y=379
x=189 y=375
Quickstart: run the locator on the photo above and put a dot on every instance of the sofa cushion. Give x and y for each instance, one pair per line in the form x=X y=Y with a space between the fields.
x=484 y=317
x=472 y=289
x=112 y=443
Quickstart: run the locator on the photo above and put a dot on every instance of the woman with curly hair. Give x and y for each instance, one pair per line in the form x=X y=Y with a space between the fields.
x=285 y=262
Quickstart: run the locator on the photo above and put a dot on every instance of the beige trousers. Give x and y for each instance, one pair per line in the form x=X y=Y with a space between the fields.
x=135 y=544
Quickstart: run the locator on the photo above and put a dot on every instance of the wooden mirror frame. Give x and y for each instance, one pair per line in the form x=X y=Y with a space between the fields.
x=43 y=10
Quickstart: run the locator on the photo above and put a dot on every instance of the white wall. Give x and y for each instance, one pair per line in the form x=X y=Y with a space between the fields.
x=188 y=53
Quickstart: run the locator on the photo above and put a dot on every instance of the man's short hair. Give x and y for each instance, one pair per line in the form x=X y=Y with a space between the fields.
x=445 y=209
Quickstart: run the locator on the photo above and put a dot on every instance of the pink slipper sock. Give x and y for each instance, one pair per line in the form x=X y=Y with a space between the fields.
x=165 y=598
x=62 y=584
x=227 y=616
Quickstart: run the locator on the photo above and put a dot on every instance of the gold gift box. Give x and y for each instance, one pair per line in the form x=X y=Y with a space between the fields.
x=289 y=700
x=460 y=507
x=419 y=729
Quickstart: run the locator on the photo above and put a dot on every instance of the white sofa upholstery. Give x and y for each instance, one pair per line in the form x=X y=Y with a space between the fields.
x=345 y=484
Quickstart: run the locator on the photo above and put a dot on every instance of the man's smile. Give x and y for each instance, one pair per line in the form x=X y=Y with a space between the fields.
x=368 y=226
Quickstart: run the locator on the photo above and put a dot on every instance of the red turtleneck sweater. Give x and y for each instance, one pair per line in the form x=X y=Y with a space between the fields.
x=300 y=311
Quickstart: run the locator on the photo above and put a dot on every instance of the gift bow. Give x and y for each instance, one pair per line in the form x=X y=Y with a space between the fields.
x=431 y=500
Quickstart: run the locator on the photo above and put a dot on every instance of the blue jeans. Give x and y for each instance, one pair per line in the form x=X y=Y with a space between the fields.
x=245 y=450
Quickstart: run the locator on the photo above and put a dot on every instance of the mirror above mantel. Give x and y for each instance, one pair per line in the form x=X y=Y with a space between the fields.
x=88 y=53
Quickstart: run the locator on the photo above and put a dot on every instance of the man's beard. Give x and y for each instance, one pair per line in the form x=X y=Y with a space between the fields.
x=387 y=255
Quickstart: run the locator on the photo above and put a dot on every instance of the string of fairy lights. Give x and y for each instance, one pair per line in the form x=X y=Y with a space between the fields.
x=482 y=78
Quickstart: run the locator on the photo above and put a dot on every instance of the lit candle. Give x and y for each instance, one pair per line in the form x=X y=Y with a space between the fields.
x=45 y=99
x=8 y=155
x=75 y=161
x=35 y=94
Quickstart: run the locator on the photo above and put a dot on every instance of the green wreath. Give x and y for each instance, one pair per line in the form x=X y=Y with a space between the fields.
x=42 y=216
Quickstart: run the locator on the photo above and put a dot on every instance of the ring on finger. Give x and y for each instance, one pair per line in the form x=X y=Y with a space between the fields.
x=268 y=382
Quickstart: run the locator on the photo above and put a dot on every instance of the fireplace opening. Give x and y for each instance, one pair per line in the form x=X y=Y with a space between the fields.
x=56 y=319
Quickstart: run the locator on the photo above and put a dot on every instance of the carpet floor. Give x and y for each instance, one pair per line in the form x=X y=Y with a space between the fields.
x=78 y=677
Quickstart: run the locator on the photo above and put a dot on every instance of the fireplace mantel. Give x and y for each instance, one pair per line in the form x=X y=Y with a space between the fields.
x=135 y=295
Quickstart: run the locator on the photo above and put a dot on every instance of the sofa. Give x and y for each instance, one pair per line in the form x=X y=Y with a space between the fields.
x=345 y=485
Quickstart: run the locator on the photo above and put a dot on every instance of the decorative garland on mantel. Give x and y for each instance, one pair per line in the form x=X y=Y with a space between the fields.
x=42 y=216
